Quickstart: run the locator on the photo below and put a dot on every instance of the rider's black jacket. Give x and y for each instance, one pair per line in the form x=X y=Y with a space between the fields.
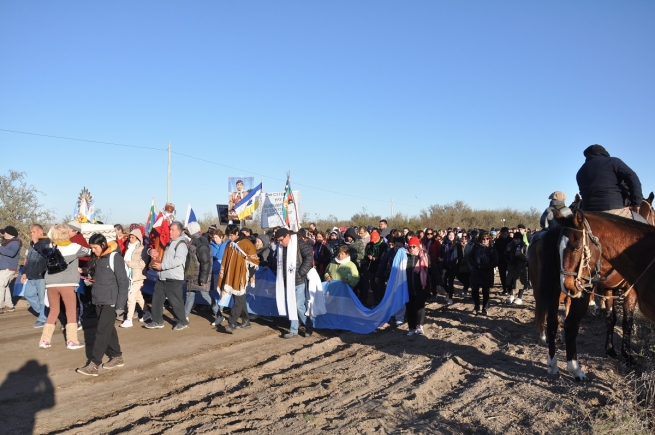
x=606 y=182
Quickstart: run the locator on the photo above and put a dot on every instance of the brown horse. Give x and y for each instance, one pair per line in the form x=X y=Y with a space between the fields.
x=606 y=290
x=588 y=249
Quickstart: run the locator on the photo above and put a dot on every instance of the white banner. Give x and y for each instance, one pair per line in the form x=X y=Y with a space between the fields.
x=272 y=209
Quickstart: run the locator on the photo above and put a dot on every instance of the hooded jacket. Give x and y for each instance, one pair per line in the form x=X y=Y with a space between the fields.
x=35 y=261
x=136 y=261
x=110 y=287
x=605 y=182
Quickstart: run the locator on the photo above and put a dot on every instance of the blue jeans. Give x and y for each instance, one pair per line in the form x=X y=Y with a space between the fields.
x=34 y=293
x=206 y=296
x=301 y=304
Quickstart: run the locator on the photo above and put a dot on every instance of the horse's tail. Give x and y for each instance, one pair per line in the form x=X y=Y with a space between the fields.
x=546 y=290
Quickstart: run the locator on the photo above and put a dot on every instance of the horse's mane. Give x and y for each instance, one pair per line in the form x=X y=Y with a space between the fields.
x=624 y=222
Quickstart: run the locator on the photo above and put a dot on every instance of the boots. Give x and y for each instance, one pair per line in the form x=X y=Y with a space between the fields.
x=71 y=337
x=46 y=336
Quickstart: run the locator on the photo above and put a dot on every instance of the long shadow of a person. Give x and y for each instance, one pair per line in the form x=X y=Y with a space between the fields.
x=23 y=394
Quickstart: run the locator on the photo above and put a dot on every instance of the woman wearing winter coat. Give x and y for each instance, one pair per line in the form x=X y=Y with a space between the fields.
x=322 y=255
x=61 y=286
x=136 y=268
x=450 y=264
x=342 y=268
x=482 y=261
x=109 y=296
x=418 y=285
x=464 y=272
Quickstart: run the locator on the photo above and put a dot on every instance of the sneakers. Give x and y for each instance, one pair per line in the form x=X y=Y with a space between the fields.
x=518 y=301
x=10 y=310
x=309 y=332
x=449 y=301
x=38 y=324
x=230 y=328
x=412 y=332
x=127 y=323
x=44 y=344
x=146 y=316
x=180 y=326
x=154 y=325
x=219 y=319
x=465 y=294
x=114 y=362
x=475 y=312
x=244 y=325
x=510 y=299
x=72 y=345
x=484 y=312
x=290 y=335
x=91 y=369
x=419 y=330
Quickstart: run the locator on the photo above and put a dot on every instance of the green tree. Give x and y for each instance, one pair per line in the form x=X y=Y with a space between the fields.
x=20 y=205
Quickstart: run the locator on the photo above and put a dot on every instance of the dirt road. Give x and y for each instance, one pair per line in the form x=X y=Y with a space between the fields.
x=467 y=375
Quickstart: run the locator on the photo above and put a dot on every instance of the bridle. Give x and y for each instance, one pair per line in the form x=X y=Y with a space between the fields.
x=584 y=282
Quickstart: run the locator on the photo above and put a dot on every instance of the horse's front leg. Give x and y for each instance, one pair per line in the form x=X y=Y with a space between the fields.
x=628 y=323
x=571 y=326
x=610 y=322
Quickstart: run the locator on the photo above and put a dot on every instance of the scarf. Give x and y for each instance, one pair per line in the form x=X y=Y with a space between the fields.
x=62 y=243
x=286 y=297
x=422 y=266
x=376 y=249
x=130 y=250
x=344 y=261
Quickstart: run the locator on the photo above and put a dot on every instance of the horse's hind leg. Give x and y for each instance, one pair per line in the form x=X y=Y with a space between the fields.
x=610 y=322
x=571 y=327
x=628 y=323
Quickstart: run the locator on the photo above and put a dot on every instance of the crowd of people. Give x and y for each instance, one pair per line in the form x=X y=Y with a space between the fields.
x=217 y=265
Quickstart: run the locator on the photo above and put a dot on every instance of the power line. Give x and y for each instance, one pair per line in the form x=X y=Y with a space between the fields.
x=83 y=140
x=202 y=160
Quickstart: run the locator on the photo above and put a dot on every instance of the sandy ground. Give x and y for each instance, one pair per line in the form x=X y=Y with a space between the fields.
x=468 y=375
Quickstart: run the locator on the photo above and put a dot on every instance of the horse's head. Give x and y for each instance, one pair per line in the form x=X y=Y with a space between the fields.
x=579 y=253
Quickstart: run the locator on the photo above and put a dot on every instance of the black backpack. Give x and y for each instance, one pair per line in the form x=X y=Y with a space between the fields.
x=55 y=262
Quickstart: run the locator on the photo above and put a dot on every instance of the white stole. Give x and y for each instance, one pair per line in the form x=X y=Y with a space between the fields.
x=290 y=290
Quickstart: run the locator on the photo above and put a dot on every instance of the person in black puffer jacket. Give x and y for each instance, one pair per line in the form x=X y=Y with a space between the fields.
x=198 y=282
x=109 y=295
x=482 y=261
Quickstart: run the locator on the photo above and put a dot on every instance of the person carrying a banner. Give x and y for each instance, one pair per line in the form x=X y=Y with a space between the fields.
x=291 y=283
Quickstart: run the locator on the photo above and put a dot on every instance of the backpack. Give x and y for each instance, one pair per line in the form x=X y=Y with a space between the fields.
x=191 y=261
x=55 y=261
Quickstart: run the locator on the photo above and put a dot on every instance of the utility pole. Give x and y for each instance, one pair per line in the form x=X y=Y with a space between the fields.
x=393 y=212
x=168 y=179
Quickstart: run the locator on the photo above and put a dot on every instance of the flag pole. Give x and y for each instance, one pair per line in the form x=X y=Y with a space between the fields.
x=294 y=199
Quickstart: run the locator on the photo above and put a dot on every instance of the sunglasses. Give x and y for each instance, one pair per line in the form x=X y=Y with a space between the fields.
x=429 y=234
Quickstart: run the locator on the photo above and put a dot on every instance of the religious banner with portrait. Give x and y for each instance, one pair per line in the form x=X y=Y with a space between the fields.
x=238 y=188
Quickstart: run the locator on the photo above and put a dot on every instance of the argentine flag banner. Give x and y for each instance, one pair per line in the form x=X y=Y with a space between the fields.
x=342 y=309
x=248 y=205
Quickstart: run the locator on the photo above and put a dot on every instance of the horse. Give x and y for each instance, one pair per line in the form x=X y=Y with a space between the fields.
x=587 y=249
x=606 y=289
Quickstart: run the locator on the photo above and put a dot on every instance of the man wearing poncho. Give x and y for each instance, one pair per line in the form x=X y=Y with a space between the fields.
x=240 y=261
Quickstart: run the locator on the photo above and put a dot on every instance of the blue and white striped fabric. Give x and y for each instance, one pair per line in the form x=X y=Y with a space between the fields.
x=344 y=310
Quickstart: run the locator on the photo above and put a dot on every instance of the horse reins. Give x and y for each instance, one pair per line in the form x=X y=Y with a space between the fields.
x=593 y=275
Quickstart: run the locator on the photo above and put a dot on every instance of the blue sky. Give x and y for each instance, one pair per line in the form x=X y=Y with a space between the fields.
x=424 y=102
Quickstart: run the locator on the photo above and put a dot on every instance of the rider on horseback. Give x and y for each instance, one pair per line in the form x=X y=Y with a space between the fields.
x=557 y=199
x=608 y=185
